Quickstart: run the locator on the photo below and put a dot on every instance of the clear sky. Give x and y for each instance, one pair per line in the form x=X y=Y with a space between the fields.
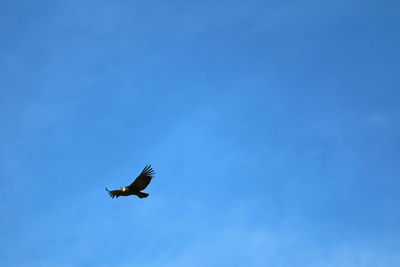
x=273 y=126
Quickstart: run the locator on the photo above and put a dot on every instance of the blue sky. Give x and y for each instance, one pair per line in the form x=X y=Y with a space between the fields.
x=273 y=127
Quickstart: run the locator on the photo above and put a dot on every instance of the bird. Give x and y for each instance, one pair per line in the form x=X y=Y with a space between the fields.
x=140 y=183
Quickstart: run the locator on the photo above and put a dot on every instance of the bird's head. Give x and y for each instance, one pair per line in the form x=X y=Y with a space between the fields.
x=123 y=189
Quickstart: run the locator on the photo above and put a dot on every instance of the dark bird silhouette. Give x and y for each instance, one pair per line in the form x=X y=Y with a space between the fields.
x=140 y=183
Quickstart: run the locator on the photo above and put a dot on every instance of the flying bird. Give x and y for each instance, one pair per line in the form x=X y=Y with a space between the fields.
x=140 y=183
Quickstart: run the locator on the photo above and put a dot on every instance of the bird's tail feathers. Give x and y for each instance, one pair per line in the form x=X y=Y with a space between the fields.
x=142 y=195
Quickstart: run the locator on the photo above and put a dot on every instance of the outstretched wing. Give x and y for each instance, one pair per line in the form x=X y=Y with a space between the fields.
x=143 y=180
x=114 y=193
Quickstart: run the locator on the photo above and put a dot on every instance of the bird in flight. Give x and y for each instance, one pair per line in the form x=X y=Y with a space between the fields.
x=140 y=183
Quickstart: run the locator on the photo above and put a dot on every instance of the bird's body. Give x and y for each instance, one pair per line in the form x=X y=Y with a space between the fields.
x=140 y=183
